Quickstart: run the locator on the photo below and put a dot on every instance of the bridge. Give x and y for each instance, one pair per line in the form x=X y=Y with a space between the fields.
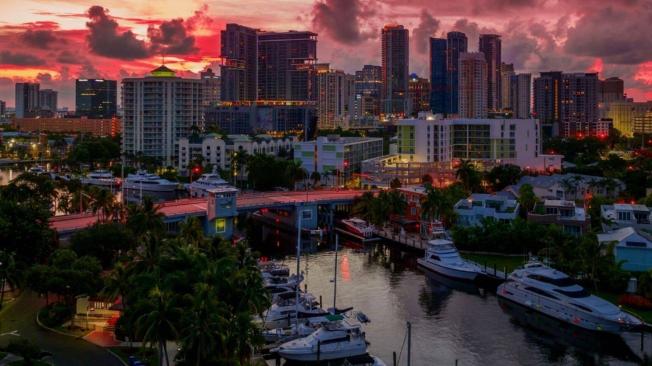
x=179 y=210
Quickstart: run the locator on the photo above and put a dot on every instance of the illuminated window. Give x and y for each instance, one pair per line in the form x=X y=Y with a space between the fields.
x=220 y=225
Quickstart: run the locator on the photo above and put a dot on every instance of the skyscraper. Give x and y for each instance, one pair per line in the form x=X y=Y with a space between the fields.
x=438 y=72
x=286 y=66
x=419 y=94
x=547 y=102
x=27 y=100
x=159 y=109
x=395 y=52
x=506 y=73
x=239 y=70
x=47 y=101
x=3 y=108
x=473 y=85
x=368 y=89
x=490 y=46
x=334 y=97
x=579 y=98
x=95 y=98
x=611 y=90
x=210 y=88
x=456 y=43
x=520 y=95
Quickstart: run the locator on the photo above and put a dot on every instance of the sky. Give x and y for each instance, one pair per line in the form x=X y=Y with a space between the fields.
x=56 y=41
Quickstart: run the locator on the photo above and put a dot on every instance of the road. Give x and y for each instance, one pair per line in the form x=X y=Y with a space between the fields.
x=19 y=322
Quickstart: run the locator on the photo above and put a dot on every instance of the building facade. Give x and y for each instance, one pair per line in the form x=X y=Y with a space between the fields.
x=333 y=154
x=211 y=88
x=457 y=43
x=286 y=66
x=624 y=114
x=473 y=85
x=472 y=211
x=48 y=102
x=218 y=151
x=395 y=53
x=566 y=214
x=368 y=88
x=335 y=93
x=159 y=109
x=506 y=74
x=643 y=124
x=96 y=98
x=262 y=117
x=547 y=102
x=418 y=94
x=490 y=47
x=579 y=98
x=27 y=100
x=611 y=90
x=520 y=90
x=77 y=125
x=438 y=71
x=239 y=69
x=620 y=215
x=632 y=247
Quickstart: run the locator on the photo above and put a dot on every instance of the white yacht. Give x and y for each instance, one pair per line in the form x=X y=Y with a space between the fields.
x=200 y=187
x=555 y=294
x=101 y=178
x=281 y=281
x=358 y=227
x=338 y=338
x=148 y=182
x=37 y=170
x=284 y=312
x=442 y=257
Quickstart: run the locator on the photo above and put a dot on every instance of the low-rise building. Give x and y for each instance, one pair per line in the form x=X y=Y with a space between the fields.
x=632 y=246
x=622 y=215
x=571 y=218
x=76 y=125
x=479 y=206
x=218 y=151
x=337 y=155
x=569 y=186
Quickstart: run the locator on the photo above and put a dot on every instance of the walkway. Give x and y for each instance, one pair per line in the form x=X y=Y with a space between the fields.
x=19 y=322
x=197 y=206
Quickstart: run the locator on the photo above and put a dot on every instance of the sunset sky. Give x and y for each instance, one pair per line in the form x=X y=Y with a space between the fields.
x=56 y=41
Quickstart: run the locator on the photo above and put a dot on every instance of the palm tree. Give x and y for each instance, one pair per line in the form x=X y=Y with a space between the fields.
x=468 y=175
x=158 y=325
x=200 y=338
x=102 y=202
x=192 y=232
x=145 y=217
x=432 y=204
x=315 y=177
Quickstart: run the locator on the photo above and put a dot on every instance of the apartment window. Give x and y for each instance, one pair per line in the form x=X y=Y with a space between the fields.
x=624 y=216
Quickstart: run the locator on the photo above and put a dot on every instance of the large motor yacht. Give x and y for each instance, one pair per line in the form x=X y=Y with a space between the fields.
x=101 y=178
x=339 y=338
x=555 y=294
x=200 y=187
x=442 y=257
x=148 y=182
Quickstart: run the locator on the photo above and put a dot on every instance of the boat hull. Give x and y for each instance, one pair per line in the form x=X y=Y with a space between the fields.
x=325 y=353
x=561 y=312
x=448 y=271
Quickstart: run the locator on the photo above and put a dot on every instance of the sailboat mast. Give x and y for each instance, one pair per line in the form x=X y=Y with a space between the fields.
x=337 y=239
x=296 y=290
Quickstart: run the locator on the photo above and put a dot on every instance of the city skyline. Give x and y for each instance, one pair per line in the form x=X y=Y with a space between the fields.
x=114 y=40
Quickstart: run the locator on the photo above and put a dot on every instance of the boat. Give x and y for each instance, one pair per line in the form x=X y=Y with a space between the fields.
x=553 y=293
x=200 y=187
x=100 y=178
x=442 y=257
x=339 y=338
x=148 y=182
x=37 y=170
x=281 y=281
x=357 y=227
x=285 y=312
x=274 y=268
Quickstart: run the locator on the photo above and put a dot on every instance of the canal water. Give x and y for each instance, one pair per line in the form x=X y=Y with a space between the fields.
x=452 y=323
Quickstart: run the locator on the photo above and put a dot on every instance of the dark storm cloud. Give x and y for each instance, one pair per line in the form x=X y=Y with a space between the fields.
x=39 y=38
x=105 y=39
x=341 y=19
x=20 y=59
x=69 y=57
x=617 y=35
x=428 y=27
x=171 y=37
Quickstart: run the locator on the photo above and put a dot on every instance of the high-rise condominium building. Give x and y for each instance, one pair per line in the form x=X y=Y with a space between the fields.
x=438 y=71
x=159 y=109
x=520 y=95
x=547 y=102
x=239 y=70
x=419 y=94
x=473 y=85
x=506 y=73
x=490 y=46
x=368 y=89
x=47 y=101
x=3 y=108
x=395 y=52
x=286 y=66
x=624 y=114
x=96 y=98
x=611 y=90
x=27 y=100
x=334 y=97
x=457 y=43
x=211 y=87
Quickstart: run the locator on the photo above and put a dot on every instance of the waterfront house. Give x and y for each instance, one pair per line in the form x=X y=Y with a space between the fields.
x=569 y=186
x=571 y=218
x=471 y=211
x=631 y=246
x=621 y=215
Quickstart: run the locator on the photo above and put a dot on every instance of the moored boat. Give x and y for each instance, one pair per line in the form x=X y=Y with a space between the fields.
x=442 y=257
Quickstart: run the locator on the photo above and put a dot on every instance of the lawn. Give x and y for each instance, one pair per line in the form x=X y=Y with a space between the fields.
x=500 y=261
x=646 y=315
